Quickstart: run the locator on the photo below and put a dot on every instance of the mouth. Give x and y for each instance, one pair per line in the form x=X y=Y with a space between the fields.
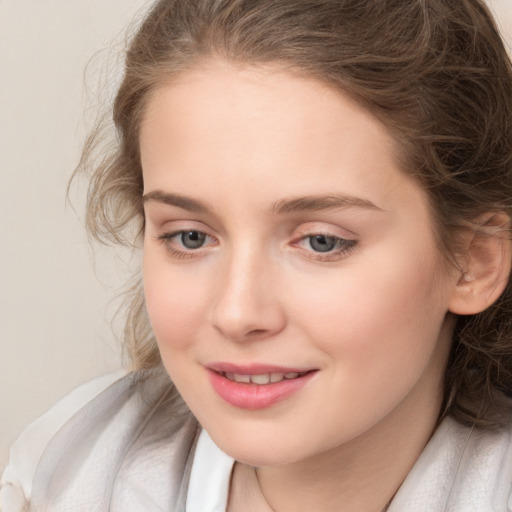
x=262 y=379
x=257 y=386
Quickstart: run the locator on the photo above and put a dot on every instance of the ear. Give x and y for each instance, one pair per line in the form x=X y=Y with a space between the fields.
x=487 y=265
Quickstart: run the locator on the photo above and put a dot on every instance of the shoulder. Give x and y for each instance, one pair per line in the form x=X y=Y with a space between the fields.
x=25 y=453
x=461 y=468
x=99 y=430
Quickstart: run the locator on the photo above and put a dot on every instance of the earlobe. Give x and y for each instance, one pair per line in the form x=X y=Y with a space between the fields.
x=487 y=266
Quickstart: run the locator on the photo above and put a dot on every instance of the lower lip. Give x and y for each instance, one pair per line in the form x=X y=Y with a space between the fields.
x=254 y=396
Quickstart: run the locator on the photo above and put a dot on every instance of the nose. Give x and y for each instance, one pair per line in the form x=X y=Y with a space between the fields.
x=247 y=303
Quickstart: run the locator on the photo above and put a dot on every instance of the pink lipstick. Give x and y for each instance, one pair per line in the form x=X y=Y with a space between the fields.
x=256 y=386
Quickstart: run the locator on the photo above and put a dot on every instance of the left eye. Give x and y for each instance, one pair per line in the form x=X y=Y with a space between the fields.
x=326 y=243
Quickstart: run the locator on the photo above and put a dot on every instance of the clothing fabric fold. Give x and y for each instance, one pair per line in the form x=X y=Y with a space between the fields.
x=130 y=448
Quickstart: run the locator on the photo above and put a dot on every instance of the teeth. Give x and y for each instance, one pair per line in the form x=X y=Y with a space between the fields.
x=242 y=378
x=262 y=379
x=276 y=377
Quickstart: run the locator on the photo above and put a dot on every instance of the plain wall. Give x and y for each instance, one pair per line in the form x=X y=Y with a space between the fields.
x=55 y=330
x=55 y=310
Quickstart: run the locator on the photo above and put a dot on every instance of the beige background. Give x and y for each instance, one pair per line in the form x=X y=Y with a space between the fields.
x=54 y=309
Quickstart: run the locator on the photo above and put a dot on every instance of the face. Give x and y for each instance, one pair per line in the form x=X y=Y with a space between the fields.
x=290 y=269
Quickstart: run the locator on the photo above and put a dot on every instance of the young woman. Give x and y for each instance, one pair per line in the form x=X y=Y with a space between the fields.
x=322 y=192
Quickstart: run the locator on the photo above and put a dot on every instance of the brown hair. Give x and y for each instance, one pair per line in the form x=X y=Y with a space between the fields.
x=434 y=71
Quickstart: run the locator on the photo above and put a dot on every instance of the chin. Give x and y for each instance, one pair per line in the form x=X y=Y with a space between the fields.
x=260 y=449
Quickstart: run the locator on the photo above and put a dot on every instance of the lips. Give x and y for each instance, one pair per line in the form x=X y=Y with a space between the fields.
x=256 y=386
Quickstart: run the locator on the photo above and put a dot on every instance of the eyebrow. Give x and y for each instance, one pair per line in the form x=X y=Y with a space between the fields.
x=317 y=203
x=298 y=204
x=183 y=202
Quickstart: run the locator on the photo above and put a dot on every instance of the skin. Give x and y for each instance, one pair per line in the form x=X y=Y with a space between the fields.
x=370 y=316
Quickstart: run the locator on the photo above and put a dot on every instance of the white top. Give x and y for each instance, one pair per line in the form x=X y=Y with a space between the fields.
x=209 y=480
x=17 y=478
x=103 y=448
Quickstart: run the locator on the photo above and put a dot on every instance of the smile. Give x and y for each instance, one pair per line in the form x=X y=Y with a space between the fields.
x=256 y=387
x=261 y=379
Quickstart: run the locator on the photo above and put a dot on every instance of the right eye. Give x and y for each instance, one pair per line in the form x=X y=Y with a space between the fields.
x=192 y=239
x=185 y=242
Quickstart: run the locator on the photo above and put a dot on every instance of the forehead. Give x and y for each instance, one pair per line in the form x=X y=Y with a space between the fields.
x=262 y=95
x=265 y=127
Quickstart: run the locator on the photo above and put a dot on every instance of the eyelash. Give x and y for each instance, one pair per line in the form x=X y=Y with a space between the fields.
x=343 y=246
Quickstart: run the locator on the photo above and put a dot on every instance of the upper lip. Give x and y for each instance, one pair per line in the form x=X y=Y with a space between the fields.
x=254 y=368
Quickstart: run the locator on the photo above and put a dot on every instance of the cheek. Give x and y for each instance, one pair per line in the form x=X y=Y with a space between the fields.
x=377 y=314
x=380 y=330
x=173 y=301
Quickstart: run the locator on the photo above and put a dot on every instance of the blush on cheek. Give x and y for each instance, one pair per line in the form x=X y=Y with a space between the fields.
x=169 y=323
x=171 y=309
x=384 y=319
